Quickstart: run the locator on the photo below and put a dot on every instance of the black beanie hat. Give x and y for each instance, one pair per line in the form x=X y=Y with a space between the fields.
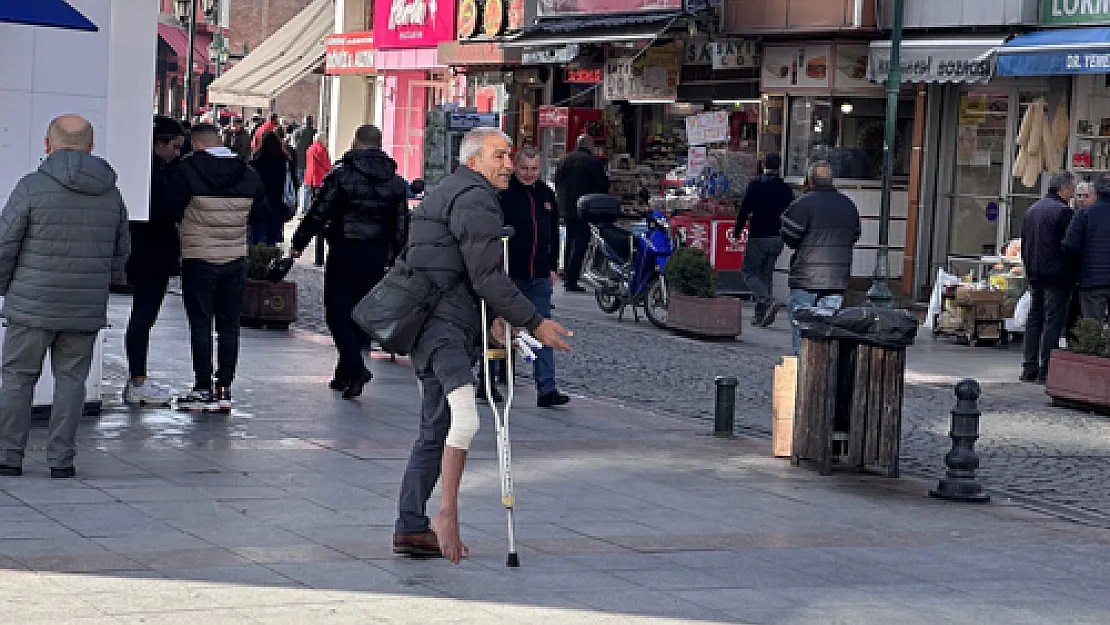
x=166 y=128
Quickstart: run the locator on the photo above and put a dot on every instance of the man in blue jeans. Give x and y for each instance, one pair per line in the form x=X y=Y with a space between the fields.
x=529 y=207
x=821 y=227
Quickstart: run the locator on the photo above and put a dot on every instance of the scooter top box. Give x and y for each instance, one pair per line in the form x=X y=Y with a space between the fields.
x=599 y=208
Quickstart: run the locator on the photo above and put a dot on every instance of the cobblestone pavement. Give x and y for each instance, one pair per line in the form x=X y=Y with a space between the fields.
x=1046 y=457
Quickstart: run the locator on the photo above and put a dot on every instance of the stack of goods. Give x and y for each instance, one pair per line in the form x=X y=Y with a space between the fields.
x=1040 y=141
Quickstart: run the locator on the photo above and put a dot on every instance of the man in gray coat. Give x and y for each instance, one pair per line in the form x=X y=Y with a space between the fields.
x=455 y=239
x=63 y=234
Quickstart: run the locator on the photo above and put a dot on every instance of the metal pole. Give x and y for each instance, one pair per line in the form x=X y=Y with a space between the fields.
x=724 y=412
x=189 y=60
x=879 y=294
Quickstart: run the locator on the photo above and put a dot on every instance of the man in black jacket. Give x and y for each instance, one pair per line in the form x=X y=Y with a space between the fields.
x=529 y=207
x=361 y=208
x=765 y=200
x=580 y=173
x=455 y=239
x=1088 y=239
x=821 y=227
x=1049 y=273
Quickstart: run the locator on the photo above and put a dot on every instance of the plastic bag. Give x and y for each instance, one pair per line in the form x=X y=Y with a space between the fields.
x=936 y=299
x=883 y=327
x=1021 y=310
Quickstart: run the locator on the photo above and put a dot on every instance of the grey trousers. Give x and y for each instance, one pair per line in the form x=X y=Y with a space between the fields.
x=70 y=359
x=758 y=270
x=443 y=360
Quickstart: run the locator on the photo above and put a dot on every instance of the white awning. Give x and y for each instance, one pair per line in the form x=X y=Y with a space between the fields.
x=279 y=61
x=949 y=59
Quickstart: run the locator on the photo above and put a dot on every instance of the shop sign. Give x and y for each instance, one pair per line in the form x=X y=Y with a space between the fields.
x=468 y=18
x=493 y=17
x=735 y=53
x=582 y=76
x=652 y=75
x=554 y=116
x=453 y=53
x=932 y=64
x=413 y=23
x=349 y=53
x=796 y=66
x=516 y=15
x=551 y=8
x=711 y=127
x=728 y=251
x=1058 y=12
x=557 y=56
x=696 y=160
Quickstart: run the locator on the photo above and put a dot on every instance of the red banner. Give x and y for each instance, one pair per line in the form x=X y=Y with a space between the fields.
x=413 y=23
x=554 y=116
x=349 y=53
x=548 y=8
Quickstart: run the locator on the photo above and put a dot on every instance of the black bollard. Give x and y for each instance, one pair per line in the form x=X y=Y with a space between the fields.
x=319 y=260
x=725 y=409
x=960 y=484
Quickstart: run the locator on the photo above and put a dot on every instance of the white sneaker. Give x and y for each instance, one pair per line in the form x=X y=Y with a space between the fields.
x=145 y=394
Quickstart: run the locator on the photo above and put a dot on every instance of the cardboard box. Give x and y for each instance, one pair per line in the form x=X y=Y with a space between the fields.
x=782 y=406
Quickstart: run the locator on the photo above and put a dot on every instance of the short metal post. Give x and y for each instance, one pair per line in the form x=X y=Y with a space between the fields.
x=319 y=261
x=960 y=483
x=724 y=414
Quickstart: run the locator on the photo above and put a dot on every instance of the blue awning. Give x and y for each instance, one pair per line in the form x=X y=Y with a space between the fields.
x=51 y=13
x=1056 y=52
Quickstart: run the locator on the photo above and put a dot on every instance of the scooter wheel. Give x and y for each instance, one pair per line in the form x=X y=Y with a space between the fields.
x=655 y=304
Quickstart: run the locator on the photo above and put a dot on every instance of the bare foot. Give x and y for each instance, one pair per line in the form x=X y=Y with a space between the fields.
x=446 y=527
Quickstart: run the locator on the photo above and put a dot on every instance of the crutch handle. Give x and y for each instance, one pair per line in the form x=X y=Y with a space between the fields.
x=507 y=232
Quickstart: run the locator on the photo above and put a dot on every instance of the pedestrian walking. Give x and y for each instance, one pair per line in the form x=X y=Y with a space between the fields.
x=237 y=139
x=1084 y=196
x=302 y=139
x=1088 y=241
x=529 y=207
x=455 y=240
x=361 y=209
x=1049 y=272
x=272 y=123
x=317 y=165
x=215 y=197
x=579 y=173
x=765 y=200
x=155 y=257
x=276 y=169
x=822 y=228
x=63 y=235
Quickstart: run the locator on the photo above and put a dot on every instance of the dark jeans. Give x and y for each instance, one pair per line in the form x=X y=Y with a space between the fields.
x=353 y=268
x=578 y=239
x=538 y=291
x=1048 y=311
x=213 y=291
x=760 y=257
x=146 y=301
x=1094 y=303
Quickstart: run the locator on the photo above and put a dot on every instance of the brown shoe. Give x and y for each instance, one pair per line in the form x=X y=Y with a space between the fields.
x=422 y=545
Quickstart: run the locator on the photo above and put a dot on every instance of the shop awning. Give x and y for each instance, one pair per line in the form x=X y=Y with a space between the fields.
x=51 y=13
x=282 y=59
x=178 y=39
x=949 y=59
x=593 y=29
x=1056 y=52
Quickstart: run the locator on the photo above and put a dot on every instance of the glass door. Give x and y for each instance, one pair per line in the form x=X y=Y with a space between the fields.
x=983 y=161
x=423 y=95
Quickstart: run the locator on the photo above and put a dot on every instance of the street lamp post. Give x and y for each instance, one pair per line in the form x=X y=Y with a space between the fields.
x=879 y=294
x=218 y=52
x=187 y=14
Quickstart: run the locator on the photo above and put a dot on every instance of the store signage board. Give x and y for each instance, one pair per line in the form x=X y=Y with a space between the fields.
x=735 y=53
x=453 y=53
x=796 y=66
x=711 y=127
x=697 y=159
x=582 y=76
x=553 y=8
x=400 y=24
x=652 y=75
x=933 y=64
x=851 y=68
x=1062 y=12
x=349 y=53
x=554 y=116
x=557 y=56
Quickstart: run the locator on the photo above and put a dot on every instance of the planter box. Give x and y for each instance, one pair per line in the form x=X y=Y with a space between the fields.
x=269 y=304
x=717 y=317
x=1079 y=378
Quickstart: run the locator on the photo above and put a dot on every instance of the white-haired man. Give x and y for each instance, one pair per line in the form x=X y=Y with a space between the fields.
x=455 y=238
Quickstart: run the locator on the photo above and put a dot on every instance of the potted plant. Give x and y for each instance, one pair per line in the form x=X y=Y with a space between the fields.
x=265 y=303
x=1080 y=374
x=692 y=303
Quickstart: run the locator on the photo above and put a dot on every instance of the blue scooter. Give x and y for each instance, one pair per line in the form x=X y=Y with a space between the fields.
x=623 y=268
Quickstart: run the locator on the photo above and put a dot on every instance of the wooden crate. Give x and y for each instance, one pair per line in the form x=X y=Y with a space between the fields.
x=782 y=406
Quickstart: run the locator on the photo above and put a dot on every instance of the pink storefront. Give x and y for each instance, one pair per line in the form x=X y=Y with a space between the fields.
x=406 y=34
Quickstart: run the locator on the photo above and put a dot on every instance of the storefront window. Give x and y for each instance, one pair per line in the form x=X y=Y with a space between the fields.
x=848 y=133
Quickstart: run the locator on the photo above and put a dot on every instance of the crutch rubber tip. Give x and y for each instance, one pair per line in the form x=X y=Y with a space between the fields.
x=513 y=561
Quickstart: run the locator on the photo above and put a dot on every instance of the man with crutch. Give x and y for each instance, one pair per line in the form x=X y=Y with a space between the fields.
x=455 y=239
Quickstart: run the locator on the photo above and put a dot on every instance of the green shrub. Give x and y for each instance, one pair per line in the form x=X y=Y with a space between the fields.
x=1090 y=338
x=259 y=258
x=689 y=272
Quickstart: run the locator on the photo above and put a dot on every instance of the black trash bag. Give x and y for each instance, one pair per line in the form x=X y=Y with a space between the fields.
x=882 y=327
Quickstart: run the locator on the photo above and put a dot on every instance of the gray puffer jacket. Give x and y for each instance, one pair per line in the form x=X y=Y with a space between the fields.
x=455 y=236
x=63 y=234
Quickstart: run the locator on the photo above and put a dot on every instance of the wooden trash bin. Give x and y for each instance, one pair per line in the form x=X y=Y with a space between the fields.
x=853 y=391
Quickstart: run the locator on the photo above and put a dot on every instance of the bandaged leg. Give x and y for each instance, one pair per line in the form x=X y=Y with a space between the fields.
x=464 y=417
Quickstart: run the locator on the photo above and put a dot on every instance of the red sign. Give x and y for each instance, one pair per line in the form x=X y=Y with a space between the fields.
x=516 y=15
x=728 y=252
x=548 y=8
x=349 y=53
x=494 y=17
x=590 y=76
x=413 y=23
x=554 y=116
x=468 y=18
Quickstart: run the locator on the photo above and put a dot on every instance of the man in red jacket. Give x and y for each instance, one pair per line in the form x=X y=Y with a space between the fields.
x=270 y=124
x=317 y=165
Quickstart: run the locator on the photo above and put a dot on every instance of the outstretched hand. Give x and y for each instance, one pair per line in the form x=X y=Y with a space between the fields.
x=551 y=333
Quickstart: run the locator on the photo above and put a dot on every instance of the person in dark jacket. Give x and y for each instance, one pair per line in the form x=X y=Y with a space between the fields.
x=822 y=228
x=63 y=235
x=215 y=197
x=1050 y=274
x=579 y=173
x=1088 y=241
x=765 y=200
x=276 y=170
x=529 y=207
x=361 y=209
x=455 y=239
x=237 y=139
x=155 y=256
